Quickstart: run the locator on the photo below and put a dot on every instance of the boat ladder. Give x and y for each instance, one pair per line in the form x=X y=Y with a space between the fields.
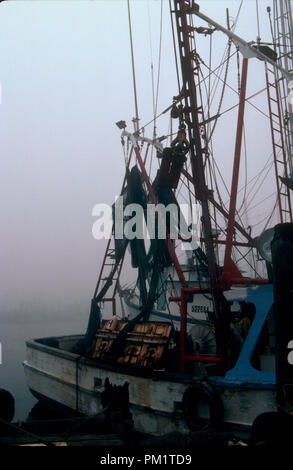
x=278 y=141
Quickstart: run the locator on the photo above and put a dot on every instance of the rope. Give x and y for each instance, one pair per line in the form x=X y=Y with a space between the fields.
x=235 y=91
x=223 y=88
x=229 y=56
x=247 y=100
x=244 y=256
x=269 y=219
x=259 y=203
x=252 y=196
x=28 y=433
x=245 y=160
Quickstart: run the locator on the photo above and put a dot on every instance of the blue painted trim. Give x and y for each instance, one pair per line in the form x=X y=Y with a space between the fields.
x=244 y=375
x=244 y=372
x=222 y=382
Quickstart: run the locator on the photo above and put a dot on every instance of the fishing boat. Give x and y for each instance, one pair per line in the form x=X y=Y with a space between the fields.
x=197 y=345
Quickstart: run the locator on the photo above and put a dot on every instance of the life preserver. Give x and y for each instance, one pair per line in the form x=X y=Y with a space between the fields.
x=202 y=392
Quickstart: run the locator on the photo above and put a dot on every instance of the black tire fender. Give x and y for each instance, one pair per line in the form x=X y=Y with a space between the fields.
x=201 y=391
x=6 y=405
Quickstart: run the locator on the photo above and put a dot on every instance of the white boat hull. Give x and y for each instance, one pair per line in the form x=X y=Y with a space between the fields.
x=77 y=383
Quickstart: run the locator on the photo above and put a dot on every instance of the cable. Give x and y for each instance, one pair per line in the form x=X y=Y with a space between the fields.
x=245 y=161
x=28 y=433
x=259 y=187
x=260 y=202
x=235 y=91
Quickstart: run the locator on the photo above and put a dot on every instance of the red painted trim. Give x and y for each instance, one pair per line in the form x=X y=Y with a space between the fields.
x=203 y=358
x=183 y=308
x=234 y=187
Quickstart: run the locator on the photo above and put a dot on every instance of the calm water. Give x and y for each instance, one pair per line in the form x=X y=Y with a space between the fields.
x=13 y=334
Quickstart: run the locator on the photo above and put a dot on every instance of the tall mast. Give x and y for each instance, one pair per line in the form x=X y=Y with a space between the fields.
x=192 y=112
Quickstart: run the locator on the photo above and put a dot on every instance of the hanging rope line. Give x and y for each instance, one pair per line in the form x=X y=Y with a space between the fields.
x=223 y=112
x=244 y=256
x=271 y=216
x=252 y=196
x=248 y=101
x=261 y=202
x=235 y=91
x=245 y=163
x=227 y=53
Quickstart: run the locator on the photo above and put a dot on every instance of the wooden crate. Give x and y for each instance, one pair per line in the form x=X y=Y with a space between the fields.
x=144 y=346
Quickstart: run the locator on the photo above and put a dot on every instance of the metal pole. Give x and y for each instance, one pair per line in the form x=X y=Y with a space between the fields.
x=135 y=121
x=235 y=178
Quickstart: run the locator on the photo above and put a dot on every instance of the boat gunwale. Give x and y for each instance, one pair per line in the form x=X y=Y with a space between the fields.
x=152 y=374
x=145 y=373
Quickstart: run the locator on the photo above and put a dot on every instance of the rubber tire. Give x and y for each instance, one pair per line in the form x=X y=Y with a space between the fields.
x=7 y=406
x=205 y=392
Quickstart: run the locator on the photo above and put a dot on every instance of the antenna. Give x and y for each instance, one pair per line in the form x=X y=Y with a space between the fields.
x=136 y=119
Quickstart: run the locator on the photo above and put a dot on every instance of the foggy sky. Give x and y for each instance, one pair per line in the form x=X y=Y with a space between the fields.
x=66 y=79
